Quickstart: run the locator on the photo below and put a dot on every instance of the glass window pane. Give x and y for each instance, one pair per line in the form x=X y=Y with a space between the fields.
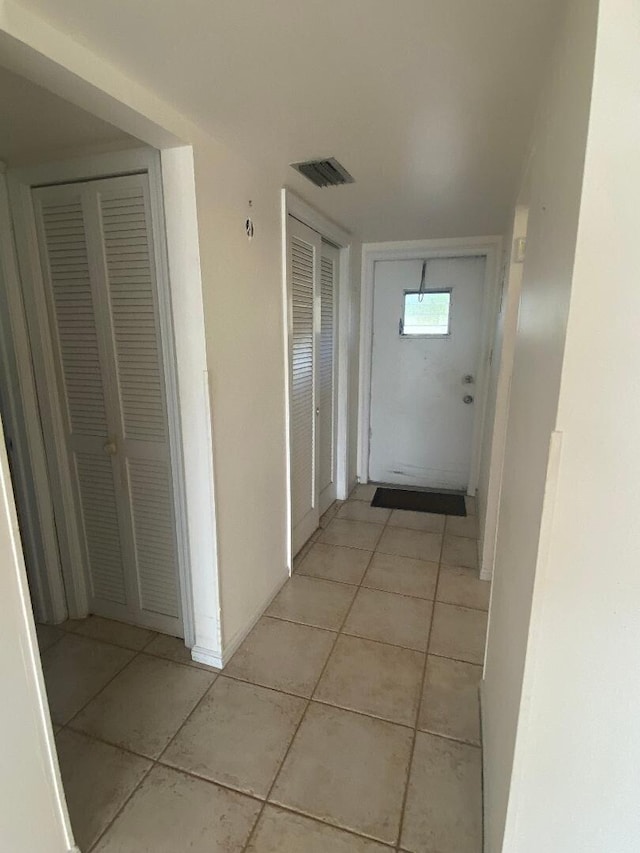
x=426 y=313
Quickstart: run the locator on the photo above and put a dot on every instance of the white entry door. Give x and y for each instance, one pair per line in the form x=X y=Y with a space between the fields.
x=426 y=350
x=98 y=261
x=312 y=275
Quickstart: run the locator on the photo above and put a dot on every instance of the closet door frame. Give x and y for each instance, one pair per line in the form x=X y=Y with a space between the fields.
x=292 y=205
x=330 y=493
x=73 y=581
x=309 y=522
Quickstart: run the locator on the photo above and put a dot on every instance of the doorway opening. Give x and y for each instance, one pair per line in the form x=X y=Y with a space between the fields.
x=425 y=360
x=94 y=346
x=94 y=287
x=426 y=336
x=316 y=305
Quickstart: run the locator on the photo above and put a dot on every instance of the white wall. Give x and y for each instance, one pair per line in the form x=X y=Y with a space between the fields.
x=354 y=363
x=242 y=297
x=556 y=169
x=242 y=292
x=579 y=744
x=33 y=818
x=497 y=410
x=15 y=428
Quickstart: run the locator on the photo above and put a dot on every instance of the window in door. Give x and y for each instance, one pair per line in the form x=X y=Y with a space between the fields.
x=426 y=314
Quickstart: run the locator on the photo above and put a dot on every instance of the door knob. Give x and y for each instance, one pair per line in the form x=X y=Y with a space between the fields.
x=318 y=410
x=110 y=448
x=467 y=399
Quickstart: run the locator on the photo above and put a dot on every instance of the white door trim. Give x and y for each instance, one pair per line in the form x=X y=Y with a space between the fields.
x=293 y=205
x=305 y=509
x=490 y=247
x=28 y=455
x=332 y=489
x=21 y=182
x=23 y=681
x=509 y=306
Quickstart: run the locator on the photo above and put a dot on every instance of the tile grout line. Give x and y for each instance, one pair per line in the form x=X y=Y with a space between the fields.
x=389 y=591
x=348 y=633
x=327 y=823
x=340 y=632
x=158 y=760
x=218 y=673
x=304 y=713
x=303 y=716
x=69 y=726
x=102 y=740
x=104 y=686
x=136 y=654
x=329 y=704
x=57 y=640
x=375 y=589
x=152 y=765
x=144 y=775
x=76 y=731
x=125 y=803
x=419 y=708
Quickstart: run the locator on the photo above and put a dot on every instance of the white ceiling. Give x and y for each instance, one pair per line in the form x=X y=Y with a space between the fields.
x=428 y=103
x=35 y=123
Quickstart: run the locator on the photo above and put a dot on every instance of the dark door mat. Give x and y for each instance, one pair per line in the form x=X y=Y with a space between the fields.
x=439 y=502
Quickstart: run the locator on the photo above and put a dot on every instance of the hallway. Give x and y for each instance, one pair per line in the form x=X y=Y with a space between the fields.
x=350 y=713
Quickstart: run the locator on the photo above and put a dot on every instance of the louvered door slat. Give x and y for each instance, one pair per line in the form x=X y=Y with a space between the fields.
x=130 y=277
x=73 y=310
x=130 y=273
x=303 y=290
x=100 y=519
x=327 y=485
x=150 y=488
x=74 y=318
x=99 y=252
x=302 y=401
x=326 y=375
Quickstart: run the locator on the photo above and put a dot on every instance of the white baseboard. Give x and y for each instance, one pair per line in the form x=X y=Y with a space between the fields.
x=211 y=658
x=486 y=565
x=484 y=759
x=201 y=655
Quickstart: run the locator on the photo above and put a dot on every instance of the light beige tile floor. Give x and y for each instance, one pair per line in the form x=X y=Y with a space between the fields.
x=347 y=721
x=161 y=692
x=117 y=633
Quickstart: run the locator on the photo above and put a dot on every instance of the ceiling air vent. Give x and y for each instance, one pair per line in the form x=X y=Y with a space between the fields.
x=324 y=173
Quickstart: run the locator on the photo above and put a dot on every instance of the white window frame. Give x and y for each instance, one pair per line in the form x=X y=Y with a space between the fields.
x=426 y=336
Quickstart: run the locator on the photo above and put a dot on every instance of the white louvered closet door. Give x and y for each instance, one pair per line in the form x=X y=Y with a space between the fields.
x=97 y=251
x=303 y=277
x=327 y=377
